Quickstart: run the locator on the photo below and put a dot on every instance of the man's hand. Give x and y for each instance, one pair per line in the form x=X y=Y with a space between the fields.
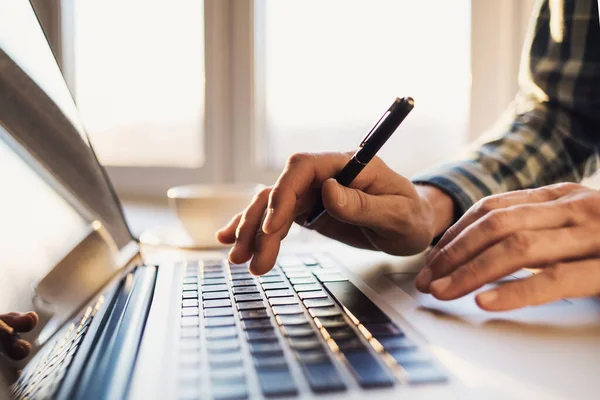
x=381 y=211
x=556 y=228
x=11 y=325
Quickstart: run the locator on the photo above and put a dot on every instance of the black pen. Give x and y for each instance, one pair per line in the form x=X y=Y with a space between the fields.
x=368 y=148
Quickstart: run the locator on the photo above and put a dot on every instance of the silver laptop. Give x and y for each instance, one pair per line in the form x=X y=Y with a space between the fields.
x=116 y=324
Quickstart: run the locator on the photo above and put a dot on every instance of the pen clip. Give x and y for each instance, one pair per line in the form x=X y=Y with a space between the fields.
x=374 y=129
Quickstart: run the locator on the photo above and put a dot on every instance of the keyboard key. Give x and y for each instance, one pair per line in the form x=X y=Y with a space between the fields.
x=213 y=288
x=254 y=314
x=190 y=279
x=221 y=360
x=224 y=346
x=219 y=321
x=216 y=303
x=282 y=301
x=424 y=373
x=190 y=311
x=299 y=274
x=289 y=261
x=190 y=321
x=261 y=335
x=270 y=362
x=279 y=293
x=257 y=324
x=350 y=344
x=303 y=280
x=305 y=343
x=315 y=303
x=367 y=370
x=190 y=295
x=245 y=290
x=324 y=312
x=251 y=305
x=311 y=356
x=221 y=332
x=356 y=302
x=189 y=360
x=275 y=286
x=215 y=295
x=264 y=348
x=410 y=356
x=312 y=295
x=189 y=344
x=323 y=377
x=308 y=260
x=218 y=312
x=334 y=277
x=297 y=319
x=230 y=391
x=298 y=330
x=277 y=383
x=383 y=330
x=243 y=282
x=307 y=288
x=189 y=287
x=189 y=303
x=344 y=332
x=210 y=275
x=248 y=297
x=288 y=310
x=397 y=343
x=228 y=375
x=214 y=281
x=271 y=279
x=190 y=332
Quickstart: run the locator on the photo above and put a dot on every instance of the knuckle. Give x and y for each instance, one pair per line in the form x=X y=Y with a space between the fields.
x=519 y=243
x=564 y=187
x=263 y=195
x=298 y=158
x=487 y=205
x=494 y=221
x=448 y=255
x=363 y=201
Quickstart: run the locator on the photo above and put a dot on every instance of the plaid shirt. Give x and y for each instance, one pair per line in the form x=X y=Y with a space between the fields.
x=552 y=133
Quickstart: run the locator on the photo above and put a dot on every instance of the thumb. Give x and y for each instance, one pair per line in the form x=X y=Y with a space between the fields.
x=356 y=207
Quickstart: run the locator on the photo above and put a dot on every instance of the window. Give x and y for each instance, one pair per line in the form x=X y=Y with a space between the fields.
x=225 y=90
x=138 y=79
x=332 y=67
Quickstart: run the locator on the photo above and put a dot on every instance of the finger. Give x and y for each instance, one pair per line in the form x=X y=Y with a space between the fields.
x=21 y=322
x=520 y=250
x=302 y=172
x=491 y=203
x=568 y=280
x=16 y=348
x=267 y=246
x=488 y=230
x=383 y=213
x=249 y=225
x=226 y=234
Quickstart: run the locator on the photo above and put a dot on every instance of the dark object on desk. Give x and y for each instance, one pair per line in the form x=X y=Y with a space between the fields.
x=375 y=139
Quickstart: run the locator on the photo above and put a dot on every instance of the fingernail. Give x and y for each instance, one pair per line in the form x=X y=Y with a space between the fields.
x=487 y=298
x=268 y=219
x=441 y=285
x=424 y=277
x=341 y=196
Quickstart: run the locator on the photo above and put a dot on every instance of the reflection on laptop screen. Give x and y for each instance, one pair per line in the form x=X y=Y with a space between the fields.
x=38 y=227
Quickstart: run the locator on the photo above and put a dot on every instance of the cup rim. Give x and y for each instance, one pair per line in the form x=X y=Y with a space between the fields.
x=206 y=190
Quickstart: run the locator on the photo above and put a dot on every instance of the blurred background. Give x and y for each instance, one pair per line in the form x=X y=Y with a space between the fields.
x=181 y=91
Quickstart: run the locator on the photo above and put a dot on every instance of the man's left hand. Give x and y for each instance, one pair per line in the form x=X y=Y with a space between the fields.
x=555 y=228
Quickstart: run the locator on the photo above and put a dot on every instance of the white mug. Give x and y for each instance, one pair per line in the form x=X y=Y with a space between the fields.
x=204 y=208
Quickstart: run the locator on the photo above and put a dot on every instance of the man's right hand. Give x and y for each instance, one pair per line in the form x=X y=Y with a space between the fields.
x=380 y=211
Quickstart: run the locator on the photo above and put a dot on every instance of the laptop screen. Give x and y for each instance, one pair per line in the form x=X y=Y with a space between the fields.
x=52 y=187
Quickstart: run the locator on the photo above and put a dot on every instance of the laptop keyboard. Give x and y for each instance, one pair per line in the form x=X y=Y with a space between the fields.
x=305 y=305
x=43 y=381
